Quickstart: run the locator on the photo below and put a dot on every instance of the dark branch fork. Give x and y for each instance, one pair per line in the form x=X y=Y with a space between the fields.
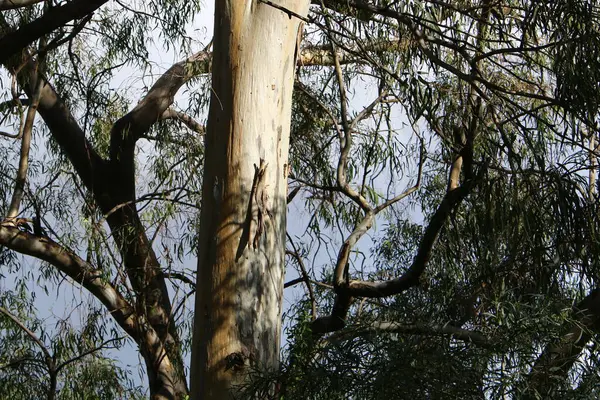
x=112 y=183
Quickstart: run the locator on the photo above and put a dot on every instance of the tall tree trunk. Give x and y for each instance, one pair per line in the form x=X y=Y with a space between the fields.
x=242 y=234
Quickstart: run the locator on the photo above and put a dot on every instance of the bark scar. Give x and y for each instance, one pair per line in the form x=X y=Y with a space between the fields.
x=259 y=200
x=256 y=212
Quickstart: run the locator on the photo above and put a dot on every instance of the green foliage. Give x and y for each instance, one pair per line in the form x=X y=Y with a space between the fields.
x=521 y=250
x=82 y=368
x=507 y=90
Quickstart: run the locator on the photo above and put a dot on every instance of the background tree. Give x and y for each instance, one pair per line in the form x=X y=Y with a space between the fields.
x=467 y=129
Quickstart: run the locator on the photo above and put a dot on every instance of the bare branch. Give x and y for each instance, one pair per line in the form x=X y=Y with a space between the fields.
x=29 y=333
x=346 y=137
x=292 y=194
x=17 y=197
x=289 y=12
x=341 y=276
x=305 y=276
x=293 y=282
x=171 y=113
x=181 y=277
x=347 y=290
x=341 y=268
x=159 y=98
x=411 y=277
x=10 y=135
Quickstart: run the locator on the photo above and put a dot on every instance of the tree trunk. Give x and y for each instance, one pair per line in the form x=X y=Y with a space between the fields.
x=242 y=234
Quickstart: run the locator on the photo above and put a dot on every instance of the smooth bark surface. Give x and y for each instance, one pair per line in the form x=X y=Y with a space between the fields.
x=242 y=237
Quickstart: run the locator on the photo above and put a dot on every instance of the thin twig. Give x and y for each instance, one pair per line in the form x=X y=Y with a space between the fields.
x=28 y=331
x=289 y=12
x=305 y=276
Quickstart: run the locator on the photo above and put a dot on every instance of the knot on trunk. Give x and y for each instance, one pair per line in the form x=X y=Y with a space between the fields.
x=235 y=361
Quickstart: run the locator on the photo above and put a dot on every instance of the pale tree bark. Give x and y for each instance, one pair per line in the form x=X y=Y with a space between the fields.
x=242 y=234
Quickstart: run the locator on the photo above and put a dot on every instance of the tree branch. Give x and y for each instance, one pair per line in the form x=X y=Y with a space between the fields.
x=62 y=124
x=77 y=269
x=305 y=276
x=411 y=278
x=16 y=41
x=138 y=121
x=346 y=291
x=18 y=192
x=191 y=123
x=289 y=12
x=31 y=334
x=154 y=346
x=87 y=352
x=12 y=4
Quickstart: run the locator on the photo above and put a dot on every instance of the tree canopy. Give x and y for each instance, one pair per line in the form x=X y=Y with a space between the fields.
x=442 y=202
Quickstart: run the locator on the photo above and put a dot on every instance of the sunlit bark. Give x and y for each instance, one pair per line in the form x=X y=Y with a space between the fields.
x=242 y=236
